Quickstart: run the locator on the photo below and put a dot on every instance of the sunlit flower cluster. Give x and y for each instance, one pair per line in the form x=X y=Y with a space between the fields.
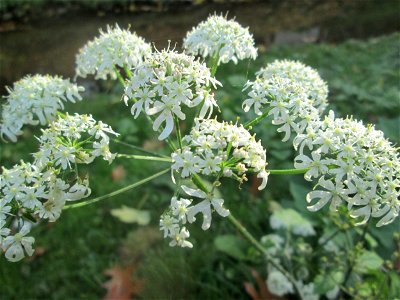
x=74 y=139
x=181 y=211
x=27 y=189
x=222 y=39
x=115 y=47
x=286 y=101
x=33 y=100
x=308 y=78
x=355 y=166
x=167 y=82
x=40 y=190
x=220 y=149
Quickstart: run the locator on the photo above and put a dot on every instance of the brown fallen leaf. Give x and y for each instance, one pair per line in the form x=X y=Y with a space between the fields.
x=118 y=173
x=263 y=293
x=121 y=286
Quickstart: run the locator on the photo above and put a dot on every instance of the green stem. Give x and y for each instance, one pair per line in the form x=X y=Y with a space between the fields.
x=128 y=72
x=288 y=171
x=137 y=148
x=124 y=189
x=262 y=250
x=198 y=182
x=119 y=76
x=214 y=64
x=143 y=157
x=256 y=120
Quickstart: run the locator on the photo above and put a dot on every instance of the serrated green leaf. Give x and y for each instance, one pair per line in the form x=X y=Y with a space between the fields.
x=368 y=261
x=131 y=215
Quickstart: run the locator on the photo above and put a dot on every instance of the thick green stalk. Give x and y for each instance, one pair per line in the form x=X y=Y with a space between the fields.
x=143 y=157
x=119 y=76
x=117 y=192
x=288 y=171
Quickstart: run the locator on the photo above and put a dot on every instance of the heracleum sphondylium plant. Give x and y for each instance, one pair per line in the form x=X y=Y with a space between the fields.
x=35 y=100
x=354 y=166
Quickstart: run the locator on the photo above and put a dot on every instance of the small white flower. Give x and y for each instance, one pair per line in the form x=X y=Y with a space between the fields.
x=179 y=238
x=169 y=225
x=204 y=207
x=180 y=208
x=17 y=245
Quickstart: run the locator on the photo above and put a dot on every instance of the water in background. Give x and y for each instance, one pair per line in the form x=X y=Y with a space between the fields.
x=48 y=45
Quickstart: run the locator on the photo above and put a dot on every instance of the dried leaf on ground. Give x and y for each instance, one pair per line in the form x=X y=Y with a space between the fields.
x=121 y=286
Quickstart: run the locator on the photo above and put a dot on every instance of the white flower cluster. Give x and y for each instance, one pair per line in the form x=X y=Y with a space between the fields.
x=220 y=148
x=165 y=83
x=220 y=39
x=292 y=100
x=115 y=47
x=29 y=189
x=355 y=166
x=35 y=99
x=306 y=76
x=74 y=139
x=39 y=190
x=181 y=211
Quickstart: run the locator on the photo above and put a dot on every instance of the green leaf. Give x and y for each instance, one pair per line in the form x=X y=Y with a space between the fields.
x=394 y=292
x=368 y=261
x=327 y=282
x=231 y=245
x=131 y=215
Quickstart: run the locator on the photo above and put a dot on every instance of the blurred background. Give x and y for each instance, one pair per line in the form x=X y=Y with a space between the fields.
x=355 y=46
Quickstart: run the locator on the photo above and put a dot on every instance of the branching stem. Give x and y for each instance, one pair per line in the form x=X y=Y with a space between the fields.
x=117 y=192
x=144 y=157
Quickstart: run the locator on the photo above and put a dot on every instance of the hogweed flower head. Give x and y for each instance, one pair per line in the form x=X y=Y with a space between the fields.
x=165 y=83
x=307 y=77
x=74 y=139
x=27 y=189
x=33 y=100
x=115 y=47
x=218 y=37
x=220 y=149
x=286 y=100
x=355 y=166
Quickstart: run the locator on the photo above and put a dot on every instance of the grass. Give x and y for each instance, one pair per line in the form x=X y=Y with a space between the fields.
x=363 y=78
